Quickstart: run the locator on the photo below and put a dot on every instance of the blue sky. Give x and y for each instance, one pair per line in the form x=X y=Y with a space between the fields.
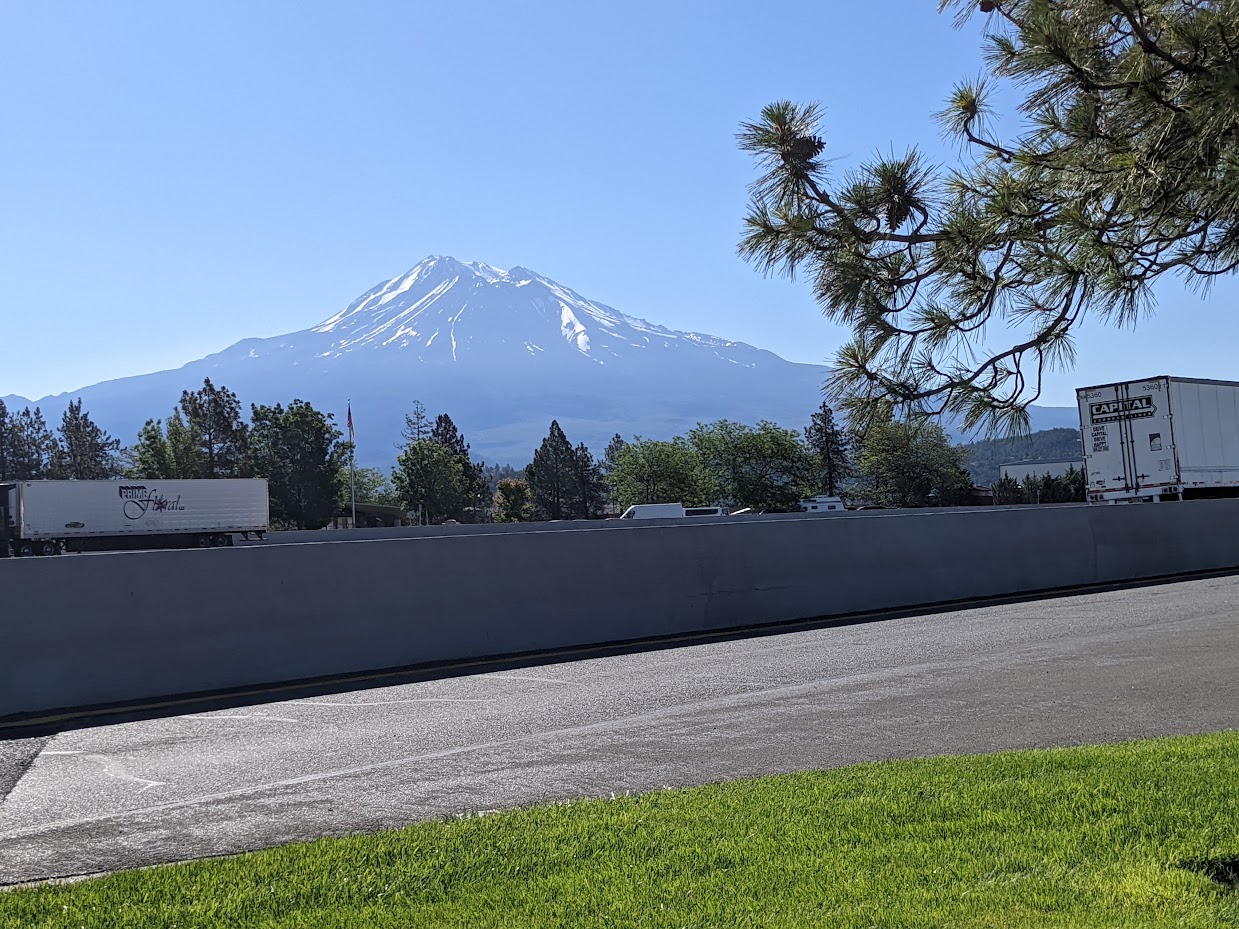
x=175 y=177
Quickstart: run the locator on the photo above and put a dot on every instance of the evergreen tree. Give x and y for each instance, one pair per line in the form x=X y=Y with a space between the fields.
x=444 y=432
x=512 y=501
x=87 y=452
x=553 y=477
x=1064 y=488
x=4 y=443
x=591 y=490
x=416 y=425
x=476 y=487
x=1037 y=489
x=1075 y=485
x=33 y=452
x=833 y=450
x=607 y=466
x=611 y=454
x=1121 y=172
x=299 y=451
x=1007 y=491
x=213 y=421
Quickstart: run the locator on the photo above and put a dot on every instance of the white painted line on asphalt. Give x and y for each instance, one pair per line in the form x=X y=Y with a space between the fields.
x=41 y=754
x=112 y=769
x=393 y=702
x=540 y=680
x=263 y=716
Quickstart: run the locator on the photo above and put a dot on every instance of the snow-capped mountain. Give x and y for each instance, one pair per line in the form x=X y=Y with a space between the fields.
x=504 y=352
x=445 y=311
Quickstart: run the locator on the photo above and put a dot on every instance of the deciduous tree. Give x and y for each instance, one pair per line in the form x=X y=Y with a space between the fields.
x=371 y=486
x=650 y=471
x=298 y=450
x=765 y=467
x=513 y=501
x=150 y=457
x=431 y=479
x=912 y=464
x=496 y=473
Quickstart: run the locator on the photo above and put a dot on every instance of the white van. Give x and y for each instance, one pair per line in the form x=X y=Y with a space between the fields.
x=670 y=511
x=822 y=505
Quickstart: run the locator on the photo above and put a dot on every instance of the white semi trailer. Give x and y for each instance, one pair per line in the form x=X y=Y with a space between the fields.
x=48 y=517
x=1165 y=438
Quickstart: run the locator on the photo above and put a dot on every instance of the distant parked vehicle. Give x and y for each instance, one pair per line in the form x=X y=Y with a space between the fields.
x=50 y=517
x=1165 y=438
x=822 y=505
x=670 y=511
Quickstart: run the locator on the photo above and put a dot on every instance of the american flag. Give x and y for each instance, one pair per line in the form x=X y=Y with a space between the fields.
x=350 y=420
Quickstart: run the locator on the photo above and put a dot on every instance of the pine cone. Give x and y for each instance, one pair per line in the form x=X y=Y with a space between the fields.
x=806 y=147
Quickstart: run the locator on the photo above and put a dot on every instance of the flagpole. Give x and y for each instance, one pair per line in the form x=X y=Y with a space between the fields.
x=352 y=466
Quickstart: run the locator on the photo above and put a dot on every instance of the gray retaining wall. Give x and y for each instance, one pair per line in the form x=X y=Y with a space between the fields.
x=98 y=629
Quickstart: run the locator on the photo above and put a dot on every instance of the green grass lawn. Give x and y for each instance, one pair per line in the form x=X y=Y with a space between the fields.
x=1114 y=836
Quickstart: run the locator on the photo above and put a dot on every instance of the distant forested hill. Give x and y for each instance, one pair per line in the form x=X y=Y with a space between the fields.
x=985 y=457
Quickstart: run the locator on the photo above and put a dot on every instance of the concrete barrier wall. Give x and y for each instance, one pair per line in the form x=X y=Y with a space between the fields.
x=96 y=629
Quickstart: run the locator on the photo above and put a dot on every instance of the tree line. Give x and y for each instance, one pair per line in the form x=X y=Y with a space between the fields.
x=721 y=463
x=766 y=468
x=78 y=449
x=305 y=459
x=1071 y=487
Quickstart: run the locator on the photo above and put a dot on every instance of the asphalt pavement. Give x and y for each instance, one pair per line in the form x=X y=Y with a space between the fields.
x=1100 y=667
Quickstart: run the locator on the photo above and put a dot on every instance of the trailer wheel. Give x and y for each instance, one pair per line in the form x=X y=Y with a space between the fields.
x=219 y=541
x=202 y=541
x=47 y=549
x=24 y=549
